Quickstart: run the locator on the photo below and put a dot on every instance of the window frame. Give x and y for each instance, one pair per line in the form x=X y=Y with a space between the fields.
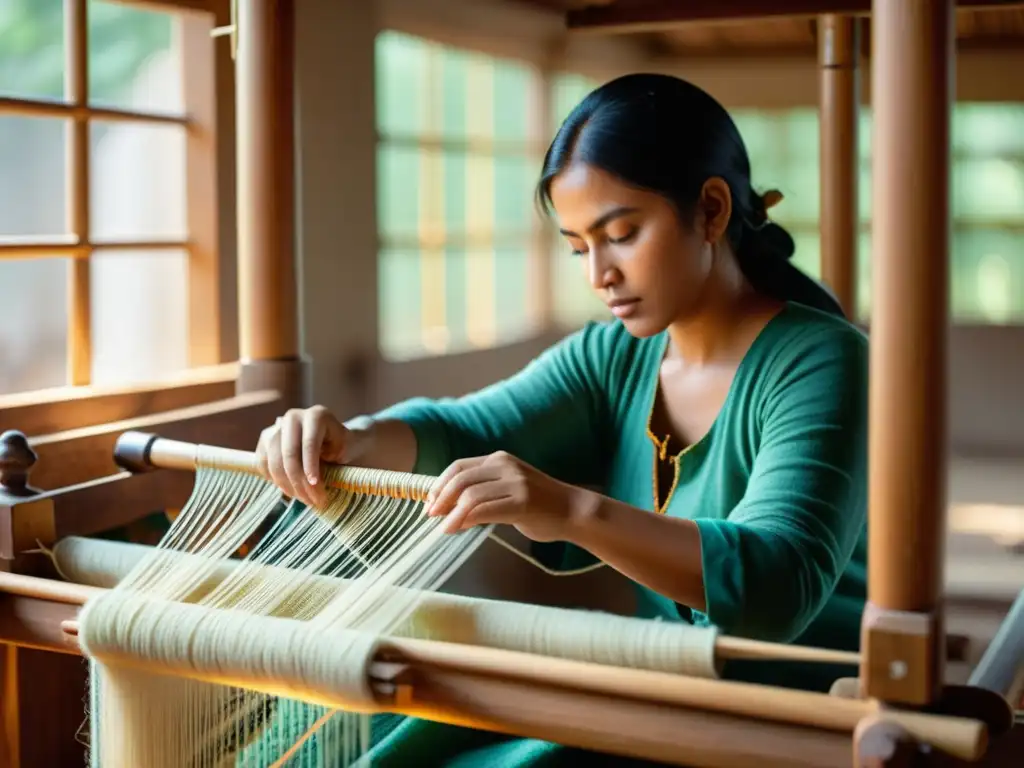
x=208 y=121
x=536 y=236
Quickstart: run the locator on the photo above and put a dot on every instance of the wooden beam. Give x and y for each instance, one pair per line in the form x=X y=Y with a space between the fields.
x=66 y=408
x=176 y=6
x=912 y=97
x=80 y=455
x=663 y=15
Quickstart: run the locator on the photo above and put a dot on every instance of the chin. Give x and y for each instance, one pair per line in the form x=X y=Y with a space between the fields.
x=642 y=327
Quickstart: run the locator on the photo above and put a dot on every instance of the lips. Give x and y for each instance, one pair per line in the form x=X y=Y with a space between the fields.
x=623 y=307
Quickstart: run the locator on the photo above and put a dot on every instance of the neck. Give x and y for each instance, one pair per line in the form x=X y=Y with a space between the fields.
x=707 y=333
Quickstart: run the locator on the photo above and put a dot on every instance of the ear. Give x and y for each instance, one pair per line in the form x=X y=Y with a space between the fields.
x=716 y=204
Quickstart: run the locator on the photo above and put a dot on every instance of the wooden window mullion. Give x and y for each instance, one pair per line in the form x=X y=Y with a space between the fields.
x=541 y=263
x=76 y=84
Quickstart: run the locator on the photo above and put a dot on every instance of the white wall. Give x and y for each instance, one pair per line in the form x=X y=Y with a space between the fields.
x=337 y=193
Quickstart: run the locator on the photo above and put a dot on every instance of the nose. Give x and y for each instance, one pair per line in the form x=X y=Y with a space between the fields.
x=602 y=271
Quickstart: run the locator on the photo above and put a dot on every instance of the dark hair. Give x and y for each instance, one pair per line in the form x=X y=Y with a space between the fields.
x=665 y=135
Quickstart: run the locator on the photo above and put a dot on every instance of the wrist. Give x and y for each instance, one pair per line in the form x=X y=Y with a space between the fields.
x=583 y=512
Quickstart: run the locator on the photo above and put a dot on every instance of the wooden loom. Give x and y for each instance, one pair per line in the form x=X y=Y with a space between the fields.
x=677 y=720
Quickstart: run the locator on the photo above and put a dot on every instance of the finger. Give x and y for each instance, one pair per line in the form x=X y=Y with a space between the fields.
x=445 y=477
x=314 y=426
x=261 y=451
x=460 y=482
x=291 y=455
x=275 y=465
x=497 y=507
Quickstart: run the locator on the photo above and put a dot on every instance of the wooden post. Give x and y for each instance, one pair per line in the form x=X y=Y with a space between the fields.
x=838 y=54
x=912 y=94
x=41 y=693
x=269 y=346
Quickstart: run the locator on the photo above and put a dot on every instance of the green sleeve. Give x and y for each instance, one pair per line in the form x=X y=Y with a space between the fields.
x=770 y=567
x=552 y=414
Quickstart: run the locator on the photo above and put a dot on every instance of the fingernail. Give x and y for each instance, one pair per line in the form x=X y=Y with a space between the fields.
x=312 y=479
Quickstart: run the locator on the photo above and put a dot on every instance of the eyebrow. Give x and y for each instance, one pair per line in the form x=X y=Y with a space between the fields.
x=602 y=220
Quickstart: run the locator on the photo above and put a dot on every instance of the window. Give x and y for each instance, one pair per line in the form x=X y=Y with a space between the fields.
x=574 y=301
x=107 y=225
x=987 y=255
x=457 y=158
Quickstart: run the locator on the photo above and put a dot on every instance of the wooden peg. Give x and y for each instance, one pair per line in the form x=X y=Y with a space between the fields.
x=16 y=461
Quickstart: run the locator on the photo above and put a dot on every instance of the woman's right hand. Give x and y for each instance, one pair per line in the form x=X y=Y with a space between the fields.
x=289 y=452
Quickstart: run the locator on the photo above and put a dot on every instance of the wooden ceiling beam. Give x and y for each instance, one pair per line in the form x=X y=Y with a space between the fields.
x=645 y=16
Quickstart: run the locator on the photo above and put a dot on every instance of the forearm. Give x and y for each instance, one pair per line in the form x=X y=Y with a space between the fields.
x=382 y=444
x=662 y=553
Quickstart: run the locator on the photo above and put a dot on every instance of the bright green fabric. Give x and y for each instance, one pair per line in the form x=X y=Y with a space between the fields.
x=777 y=487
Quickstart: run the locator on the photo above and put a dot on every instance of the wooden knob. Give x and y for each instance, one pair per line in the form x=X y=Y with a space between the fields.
x=16 y=461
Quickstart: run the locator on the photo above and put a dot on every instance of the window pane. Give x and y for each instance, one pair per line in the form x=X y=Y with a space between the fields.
x=569 y=90
x=139 y=314
x=864 y=276
x=401 y=66
x=988 y=189
x=802 y=140
x=400 y=311
x=32 y=49
x=33 y=179
x=453 y=89
x=134 y=59
x=398 y=183
x=511 y=294
x=988 y=276
x=807 y=255
x=511 y=95
x=138 y=182
x=514 y=179
x=33 y=324
x=989 y=129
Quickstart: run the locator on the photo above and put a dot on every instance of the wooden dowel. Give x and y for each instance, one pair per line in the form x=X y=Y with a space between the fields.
x=137 y=450
x=725 y=647
x=840 y=102
x=959 y=736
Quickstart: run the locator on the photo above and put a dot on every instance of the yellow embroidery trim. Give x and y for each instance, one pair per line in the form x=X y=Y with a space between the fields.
x=660 y=455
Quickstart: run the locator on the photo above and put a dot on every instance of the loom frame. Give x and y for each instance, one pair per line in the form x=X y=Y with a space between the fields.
x=905 y=623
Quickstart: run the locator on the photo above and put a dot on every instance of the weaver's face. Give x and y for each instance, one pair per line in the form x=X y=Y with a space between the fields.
x=636 y=252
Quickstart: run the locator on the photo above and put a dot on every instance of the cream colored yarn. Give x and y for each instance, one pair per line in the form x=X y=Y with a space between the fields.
x=197 y=656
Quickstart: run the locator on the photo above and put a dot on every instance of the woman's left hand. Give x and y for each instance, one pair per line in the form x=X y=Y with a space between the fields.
x=502 y=489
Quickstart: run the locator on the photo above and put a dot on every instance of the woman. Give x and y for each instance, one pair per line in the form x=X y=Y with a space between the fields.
x=723 y=412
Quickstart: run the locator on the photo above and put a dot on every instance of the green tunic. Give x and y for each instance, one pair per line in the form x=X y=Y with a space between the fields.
x=777 y=488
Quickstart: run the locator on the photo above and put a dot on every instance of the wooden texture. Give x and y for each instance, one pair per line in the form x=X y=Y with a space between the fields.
x=199 y=88
x=912 y=79
x=77 y=111
x=838 y=62
x=76 y=51
x=68 y=408
x=267 y=287
x=962 y=737
x=635 y=16
x=77 y=456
